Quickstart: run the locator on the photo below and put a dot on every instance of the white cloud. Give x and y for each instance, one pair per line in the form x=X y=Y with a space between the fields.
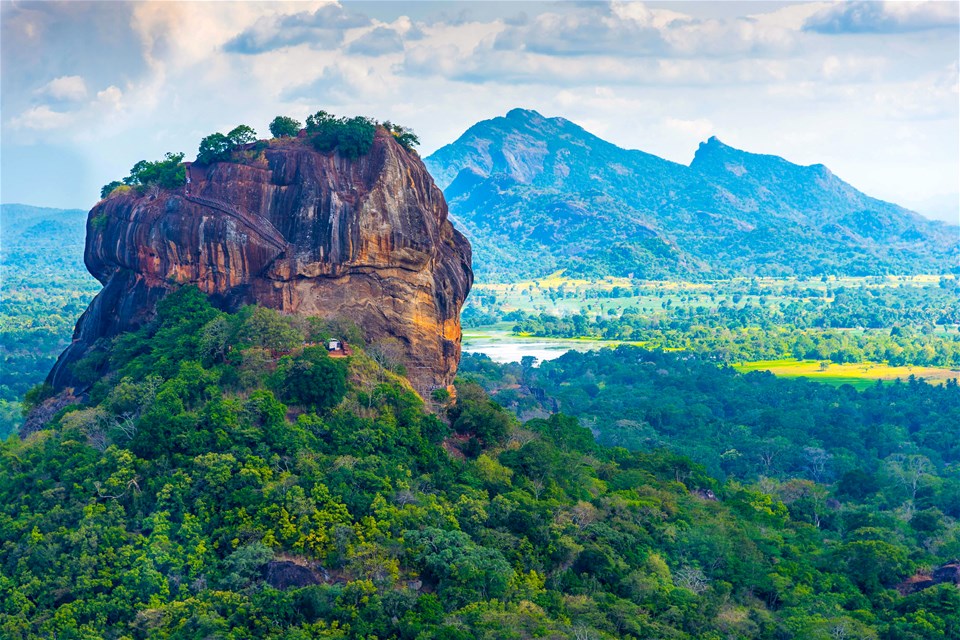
x=884 y=17
x=700 y=128
x=640 y=76
x=71 y=88
x=41 y=118
x=110 y=96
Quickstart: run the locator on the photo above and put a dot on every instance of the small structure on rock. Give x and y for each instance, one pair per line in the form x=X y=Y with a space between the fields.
x=297 y=230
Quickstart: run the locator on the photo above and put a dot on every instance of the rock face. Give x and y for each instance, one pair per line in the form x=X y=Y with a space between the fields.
x=365 y=239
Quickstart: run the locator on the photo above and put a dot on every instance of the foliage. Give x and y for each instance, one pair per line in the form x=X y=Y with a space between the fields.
x=108 y=188
x=899 y=322
x=743 y=426
x=44 y=287
x=168 y=173
x=218 y=147
x=166 y=505
x=284 y=126
x=314 y=380
x=405 y=136
x=352 y=137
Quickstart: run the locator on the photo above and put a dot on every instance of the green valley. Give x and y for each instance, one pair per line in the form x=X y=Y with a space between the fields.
x=44 y=287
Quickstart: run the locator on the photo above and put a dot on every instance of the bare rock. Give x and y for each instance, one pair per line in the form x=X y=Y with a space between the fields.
x=292 y=229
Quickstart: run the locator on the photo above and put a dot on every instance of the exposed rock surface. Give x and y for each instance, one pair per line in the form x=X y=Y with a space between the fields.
x=283 y=574
x=366 y=239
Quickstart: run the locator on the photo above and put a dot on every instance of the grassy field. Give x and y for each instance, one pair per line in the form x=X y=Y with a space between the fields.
x=859 y=375
x=502 y=345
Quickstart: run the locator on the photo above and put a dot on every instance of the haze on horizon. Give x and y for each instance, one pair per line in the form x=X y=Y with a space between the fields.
x=868 y=88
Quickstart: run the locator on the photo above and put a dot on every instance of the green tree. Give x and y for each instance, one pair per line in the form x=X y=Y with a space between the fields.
x=108 y=188
x=284 y=126
x=405 y=136
x=315 y=380
x=216 y=147
x=241 y=135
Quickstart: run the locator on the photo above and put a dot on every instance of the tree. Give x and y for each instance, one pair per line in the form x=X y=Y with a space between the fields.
x=214 y=148
x=108 y=188
x=241 y=135
x=284 y=126
x=355 y=136
x=315 y=380
x=910 y=471
x=319 y=120
x=168 y=173
x=405 y=136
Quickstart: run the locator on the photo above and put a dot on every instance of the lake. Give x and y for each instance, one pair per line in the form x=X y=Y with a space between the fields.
x=499 y=343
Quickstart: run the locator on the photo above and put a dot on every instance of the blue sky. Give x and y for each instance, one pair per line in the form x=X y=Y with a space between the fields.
x=868 y=88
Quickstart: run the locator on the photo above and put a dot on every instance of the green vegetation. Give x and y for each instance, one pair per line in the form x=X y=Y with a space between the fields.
x=44 y=288
x=352 y=137
x=171 y=502
x=536 y=194
x=168 y=173
x=870 y=320
x=284 y=127
x=218 y=147
x=406 y=137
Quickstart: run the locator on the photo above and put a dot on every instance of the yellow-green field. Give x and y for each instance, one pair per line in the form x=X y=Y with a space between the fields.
x=859 y=375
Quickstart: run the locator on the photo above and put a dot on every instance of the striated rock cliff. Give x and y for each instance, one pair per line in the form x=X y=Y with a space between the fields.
x=366 y=239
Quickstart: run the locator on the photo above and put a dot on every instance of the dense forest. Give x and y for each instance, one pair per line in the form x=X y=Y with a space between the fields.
x=44 y=288
x=225 y=478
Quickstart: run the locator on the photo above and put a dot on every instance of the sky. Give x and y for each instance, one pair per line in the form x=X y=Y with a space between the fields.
x=868 y=88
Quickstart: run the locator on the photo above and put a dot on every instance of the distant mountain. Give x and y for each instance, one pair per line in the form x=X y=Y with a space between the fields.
x=538 y=194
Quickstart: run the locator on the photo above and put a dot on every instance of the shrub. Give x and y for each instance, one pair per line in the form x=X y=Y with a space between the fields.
x=353 y=137
x=283 y=126
x=406 y=137
x=108 y=188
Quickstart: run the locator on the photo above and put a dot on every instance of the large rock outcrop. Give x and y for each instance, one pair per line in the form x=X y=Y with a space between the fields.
x=303 y=232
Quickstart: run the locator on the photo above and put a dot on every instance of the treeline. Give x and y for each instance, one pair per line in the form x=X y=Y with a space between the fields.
x=352 y=137
x=747 y=334
x=199 y=493
x=870 y=303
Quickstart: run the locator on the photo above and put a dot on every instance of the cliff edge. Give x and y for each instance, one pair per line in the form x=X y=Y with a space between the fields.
x=287 y=227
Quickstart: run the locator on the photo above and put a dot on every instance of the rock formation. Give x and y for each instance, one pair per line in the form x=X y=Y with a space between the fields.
x=289 y=228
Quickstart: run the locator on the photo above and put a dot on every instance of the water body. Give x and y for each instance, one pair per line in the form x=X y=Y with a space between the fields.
x=502 y=346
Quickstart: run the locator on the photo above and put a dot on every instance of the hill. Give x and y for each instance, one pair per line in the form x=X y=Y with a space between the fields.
x=538 y=194
x=226 y=479
x=301 y=223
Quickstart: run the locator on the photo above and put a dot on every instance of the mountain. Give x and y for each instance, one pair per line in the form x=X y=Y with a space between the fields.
x=279 y=224
x=538 y=194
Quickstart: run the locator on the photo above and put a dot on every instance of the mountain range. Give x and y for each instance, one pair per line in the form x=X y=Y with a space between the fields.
x=537 y=194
